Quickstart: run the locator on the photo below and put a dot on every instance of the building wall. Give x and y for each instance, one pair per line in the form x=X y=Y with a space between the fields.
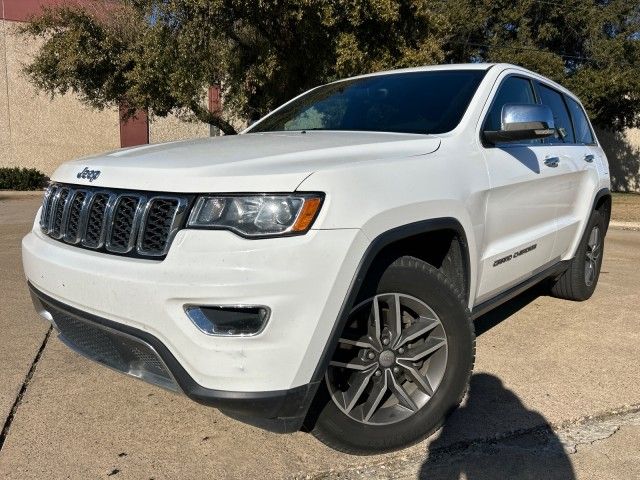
x=5 y=125
x=38 y=131
x=171 y=128
x=623 y=152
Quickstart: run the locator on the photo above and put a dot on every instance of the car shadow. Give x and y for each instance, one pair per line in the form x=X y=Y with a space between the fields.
x=499 y=314
x=493 y=435
x=525 y=155
x=491 y=411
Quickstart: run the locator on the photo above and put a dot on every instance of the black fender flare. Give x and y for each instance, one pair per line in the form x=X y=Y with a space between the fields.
x=375 y=247
x=602 y=193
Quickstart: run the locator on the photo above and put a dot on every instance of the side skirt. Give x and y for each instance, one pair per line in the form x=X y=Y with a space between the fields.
x=488 y=305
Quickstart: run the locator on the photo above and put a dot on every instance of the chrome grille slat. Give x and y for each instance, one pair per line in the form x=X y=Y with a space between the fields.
x=72 y=216
x=113 y=221
x=93 y=235
x=55 y=196
x=68 y=201
x=58 y=212
x=160 y=223
x=84 y=214
x=46 y=207
x=123 y=225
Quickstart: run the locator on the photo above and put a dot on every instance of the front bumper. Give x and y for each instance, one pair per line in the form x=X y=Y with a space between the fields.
x=303 y=280
x=140 y=354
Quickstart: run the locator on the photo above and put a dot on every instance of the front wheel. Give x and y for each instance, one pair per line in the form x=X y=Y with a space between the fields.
x=402 y=364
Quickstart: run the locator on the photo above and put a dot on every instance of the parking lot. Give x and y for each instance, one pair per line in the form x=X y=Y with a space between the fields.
x=555 y=394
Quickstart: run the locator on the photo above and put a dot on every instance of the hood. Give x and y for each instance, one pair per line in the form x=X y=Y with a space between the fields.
x=257 y=162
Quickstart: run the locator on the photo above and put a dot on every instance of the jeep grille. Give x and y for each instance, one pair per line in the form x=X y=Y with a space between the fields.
x=121 y=222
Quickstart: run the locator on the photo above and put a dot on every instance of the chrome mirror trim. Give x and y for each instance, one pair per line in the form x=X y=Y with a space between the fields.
x=523 y=122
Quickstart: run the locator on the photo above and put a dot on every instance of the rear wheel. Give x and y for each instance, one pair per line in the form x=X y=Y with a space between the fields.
x=579 y=281
x=402 y=363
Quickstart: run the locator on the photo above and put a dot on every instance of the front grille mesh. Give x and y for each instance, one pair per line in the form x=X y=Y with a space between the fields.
x=119 y=351
x=58 y=211
x=123 y=222
x=73 y=224
x=161 y=211
x=114 y=221
x=95 y=221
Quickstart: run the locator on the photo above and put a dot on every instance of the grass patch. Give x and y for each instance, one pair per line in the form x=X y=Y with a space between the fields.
x=626 y=207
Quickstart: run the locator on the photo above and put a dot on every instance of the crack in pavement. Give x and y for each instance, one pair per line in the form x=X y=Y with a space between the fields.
x=543 y=440
x=594 y=429
x=23 y=390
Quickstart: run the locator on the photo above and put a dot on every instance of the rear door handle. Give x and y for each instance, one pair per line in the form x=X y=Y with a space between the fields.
x=552 y=161
x=589 y=157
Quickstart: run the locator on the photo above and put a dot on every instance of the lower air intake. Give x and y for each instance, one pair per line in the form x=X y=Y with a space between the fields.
x=114 y=349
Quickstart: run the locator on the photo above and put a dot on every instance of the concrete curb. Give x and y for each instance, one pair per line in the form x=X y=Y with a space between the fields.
x=19 y=194
x=624 y=225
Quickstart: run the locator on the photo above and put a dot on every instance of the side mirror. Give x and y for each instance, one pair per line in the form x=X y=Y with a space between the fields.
x=523 y=122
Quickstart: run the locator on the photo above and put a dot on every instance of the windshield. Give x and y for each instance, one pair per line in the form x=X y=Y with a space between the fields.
x=416 y=102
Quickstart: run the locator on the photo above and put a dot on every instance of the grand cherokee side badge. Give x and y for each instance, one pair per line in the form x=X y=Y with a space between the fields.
x=90 y=175
x=508 y=258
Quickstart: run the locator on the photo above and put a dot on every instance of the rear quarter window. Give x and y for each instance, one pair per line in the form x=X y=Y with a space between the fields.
x=580 y=123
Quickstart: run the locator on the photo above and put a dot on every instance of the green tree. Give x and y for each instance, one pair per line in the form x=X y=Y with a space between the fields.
x=591 y=47
x=163 y=54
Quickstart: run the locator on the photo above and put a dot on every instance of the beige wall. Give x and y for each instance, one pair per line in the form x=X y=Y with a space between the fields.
x=623 y=153
x=38 y=131
x=5 y=128
x=170 y=128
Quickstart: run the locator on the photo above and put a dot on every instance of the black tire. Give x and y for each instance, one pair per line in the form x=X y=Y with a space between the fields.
x=573 y=283
x=410 y=276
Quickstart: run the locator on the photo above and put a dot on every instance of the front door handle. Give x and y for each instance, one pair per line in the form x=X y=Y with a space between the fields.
x=552 y=161
x=589 y=157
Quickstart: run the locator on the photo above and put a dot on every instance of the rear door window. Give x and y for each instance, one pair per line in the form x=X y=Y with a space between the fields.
x=555 y=101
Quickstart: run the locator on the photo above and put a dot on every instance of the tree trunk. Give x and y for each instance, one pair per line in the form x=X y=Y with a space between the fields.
x=213 y=118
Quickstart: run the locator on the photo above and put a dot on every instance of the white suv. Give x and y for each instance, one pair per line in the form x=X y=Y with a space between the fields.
x=322 y=269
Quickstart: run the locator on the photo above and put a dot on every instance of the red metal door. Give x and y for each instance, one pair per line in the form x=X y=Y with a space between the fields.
x=134 y=130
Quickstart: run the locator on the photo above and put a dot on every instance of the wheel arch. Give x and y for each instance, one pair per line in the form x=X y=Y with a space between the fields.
x=603 y=203
x=395 y=241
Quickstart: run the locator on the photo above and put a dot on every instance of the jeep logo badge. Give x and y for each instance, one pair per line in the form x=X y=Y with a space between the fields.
x=90 y=175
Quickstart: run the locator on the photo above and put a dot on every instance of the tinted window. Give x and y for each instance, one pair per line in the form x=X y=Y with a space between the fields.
x=416 y=102
x=513 y=90
x=580 y=122
x=555 y=101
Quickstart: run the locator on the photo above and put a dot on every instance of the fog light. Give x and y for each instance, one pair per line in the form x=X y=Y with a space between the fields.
x=240 y=321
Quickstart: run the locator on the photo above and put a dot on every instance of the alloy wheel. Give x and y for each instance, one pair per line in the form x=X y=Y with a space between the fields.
x=594 y=249
x=390 y=360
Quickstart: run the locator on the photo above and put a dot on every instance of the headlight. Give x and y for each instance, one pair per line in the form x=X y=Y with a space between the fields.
x=257 y=215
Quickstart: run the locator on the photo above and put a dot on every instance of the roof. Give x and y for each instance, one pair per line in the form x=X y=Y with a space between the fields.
x=466 y=66
x=428 y=68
